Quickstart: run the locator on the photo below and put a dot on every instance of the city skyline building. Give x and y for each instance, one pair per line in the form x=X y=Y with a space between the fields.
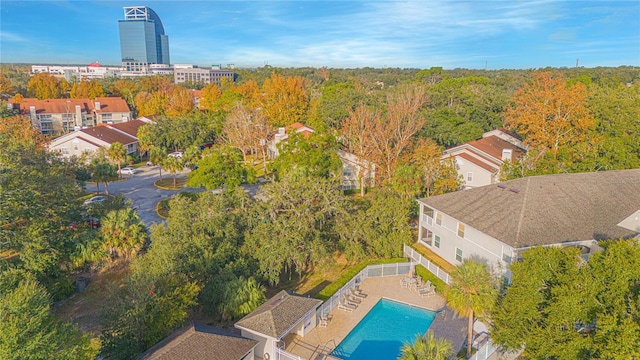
x=142 y=39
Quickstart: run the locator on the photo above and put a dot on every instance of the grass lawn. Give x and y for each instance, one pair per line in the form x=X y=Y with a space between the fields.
x=167 y=183
x=313 y=282
x=433 y=257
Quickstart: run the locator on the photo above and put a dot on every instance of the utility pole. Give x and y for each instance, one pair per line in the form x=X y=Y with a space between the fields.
x=485 y=65
x=577 y=61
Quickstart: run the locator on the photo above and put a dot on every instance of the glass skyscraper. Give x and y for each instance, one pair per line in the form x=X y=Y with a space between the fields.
x=142 y=39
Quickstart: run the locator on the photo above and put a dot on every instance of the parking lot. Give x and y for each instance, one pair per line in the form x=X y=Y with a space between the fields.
x=144 y=195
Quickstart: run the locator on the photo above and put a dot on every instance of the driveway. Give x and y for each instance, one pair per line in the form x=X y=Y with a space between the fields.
x=144 y=195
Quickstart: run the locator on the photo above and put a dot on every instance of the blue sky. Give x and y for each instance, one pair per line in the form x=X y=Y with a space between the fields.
x=342 y=34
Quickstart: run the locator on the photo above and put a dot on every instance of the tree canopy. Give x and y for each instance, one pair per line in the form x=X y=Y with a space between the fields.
x=561 y=306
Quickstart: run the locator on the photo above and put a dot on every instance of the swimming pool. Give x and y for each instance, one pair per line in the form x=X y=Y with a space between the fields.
x=383 y=331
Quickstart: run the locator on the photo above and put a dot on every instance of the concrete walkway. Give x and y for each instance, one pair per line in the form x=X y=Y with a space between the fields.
x=319 y=343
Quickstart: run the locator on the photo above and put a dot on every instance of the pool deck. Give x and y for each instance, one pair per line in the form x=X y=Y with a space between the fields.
x=318 y=344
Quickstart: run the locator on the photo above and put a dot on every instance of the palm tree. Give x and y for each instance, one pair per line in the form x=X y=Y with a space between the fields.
x=428 y=348
x=117 y=154
x=241 y=296
x=104 y=172
x=472 y=291
x=172 y=164
x=157 y=156
x=124 y=233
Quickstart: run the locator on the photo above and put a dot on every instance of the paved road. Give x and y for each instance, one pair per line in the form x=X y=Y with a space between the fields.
x=144 y=195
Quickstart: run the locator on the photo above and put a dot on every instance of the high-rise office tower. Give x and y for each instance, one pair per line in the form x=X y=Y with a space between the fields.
x=142 y=39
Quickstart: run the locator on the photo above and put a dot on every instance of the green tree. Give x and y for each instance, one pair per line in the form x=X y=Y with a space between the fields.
x=241 y=296
x=28 y=330
x=292 y=229
x=173 y=165
x=427 y=348
x=377 y=227
x=471 y=292
x=157 y=156
x=37 y=192
x=220 y=166
x=124 y=233
x=144 y=311
x=117 y=155
x=191 y=156
x=202 y=241
x=314 y=155
x=103 y=172
x=561 y=306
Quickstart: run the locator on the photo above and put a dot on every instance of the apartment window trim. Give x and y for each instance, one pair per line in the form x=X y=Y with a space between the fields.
x=436 y=241
x=469 y=176
x=458 y=254
x=460 y=230
x=438 y=218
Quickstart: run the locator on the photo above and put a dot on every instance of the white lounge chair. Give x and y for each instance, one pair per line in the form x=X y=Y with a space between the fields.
x=357 y=294
x=430 y=291
x=346 y=306
x=324 y=321
x=351 y=300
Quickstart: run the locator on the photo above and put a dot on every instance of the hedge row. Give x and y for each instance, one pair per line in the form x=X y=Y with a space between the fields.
x=425 y=274
x=331 y=289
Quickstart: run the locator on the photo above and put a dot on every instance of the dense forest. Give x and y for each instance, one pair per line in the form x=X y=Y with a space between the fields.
x=218 y=252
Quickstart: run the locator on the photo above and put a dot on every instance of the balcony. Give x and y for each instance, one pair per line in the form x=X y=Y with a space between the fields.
x=427 y=219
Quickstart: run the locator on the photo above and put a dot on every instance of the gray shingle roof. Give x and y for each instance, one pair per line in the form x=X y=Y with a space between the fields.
x=200 y=342
x=551 y=209
x=278 y=314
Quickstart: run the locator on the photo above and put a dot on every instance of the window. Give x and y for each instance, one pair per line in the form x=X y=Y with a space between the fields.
x=461 y=230
x=427 y=237
x=469 y=177
x=506 y=258
x=65 y=151
x=439 y=218
x=458 y=254
x=436 y=241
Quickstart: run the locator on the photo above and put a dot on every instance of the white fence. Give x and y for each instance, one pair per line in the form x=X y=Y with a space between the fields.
x=418 y=258
x=369 y=271
x=485 y=351
x=283 y=355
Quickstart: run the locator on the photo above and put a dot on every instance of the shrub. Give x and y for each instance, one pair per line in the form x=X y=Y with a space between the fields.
x=331 y=289
x=425 y=274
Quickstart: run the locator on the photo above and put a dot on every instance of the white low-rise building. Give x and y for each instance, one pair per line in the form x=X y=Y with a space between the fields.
x=494 y=224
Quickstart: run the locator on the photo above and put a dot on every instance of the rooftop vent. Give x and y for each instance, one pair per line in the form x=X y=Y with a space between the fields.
x=502 y=186
x=513 y=190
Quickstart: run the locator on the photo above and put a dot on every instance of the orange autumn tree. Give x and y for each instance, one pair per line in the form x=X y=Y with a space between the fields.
x=179 y=102
x=86 y=89
x=550 y=114
x=209 y=97
x=284 y=99
x=46 y=86
x=18 y=130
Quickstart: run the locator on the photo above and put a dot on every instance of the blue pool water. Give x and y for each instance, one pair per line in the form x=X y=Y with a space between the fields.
x=383 y=331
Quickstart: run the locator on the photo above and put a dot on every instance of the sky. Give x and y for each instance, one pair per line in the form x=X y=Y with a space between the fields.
x=515 y=34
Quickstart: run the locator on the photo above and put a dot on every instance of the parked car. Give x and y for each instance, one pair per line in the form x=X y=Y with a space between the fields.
x=92 y=222
x=177 y=154
x=94 y=200
x=129 y=170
